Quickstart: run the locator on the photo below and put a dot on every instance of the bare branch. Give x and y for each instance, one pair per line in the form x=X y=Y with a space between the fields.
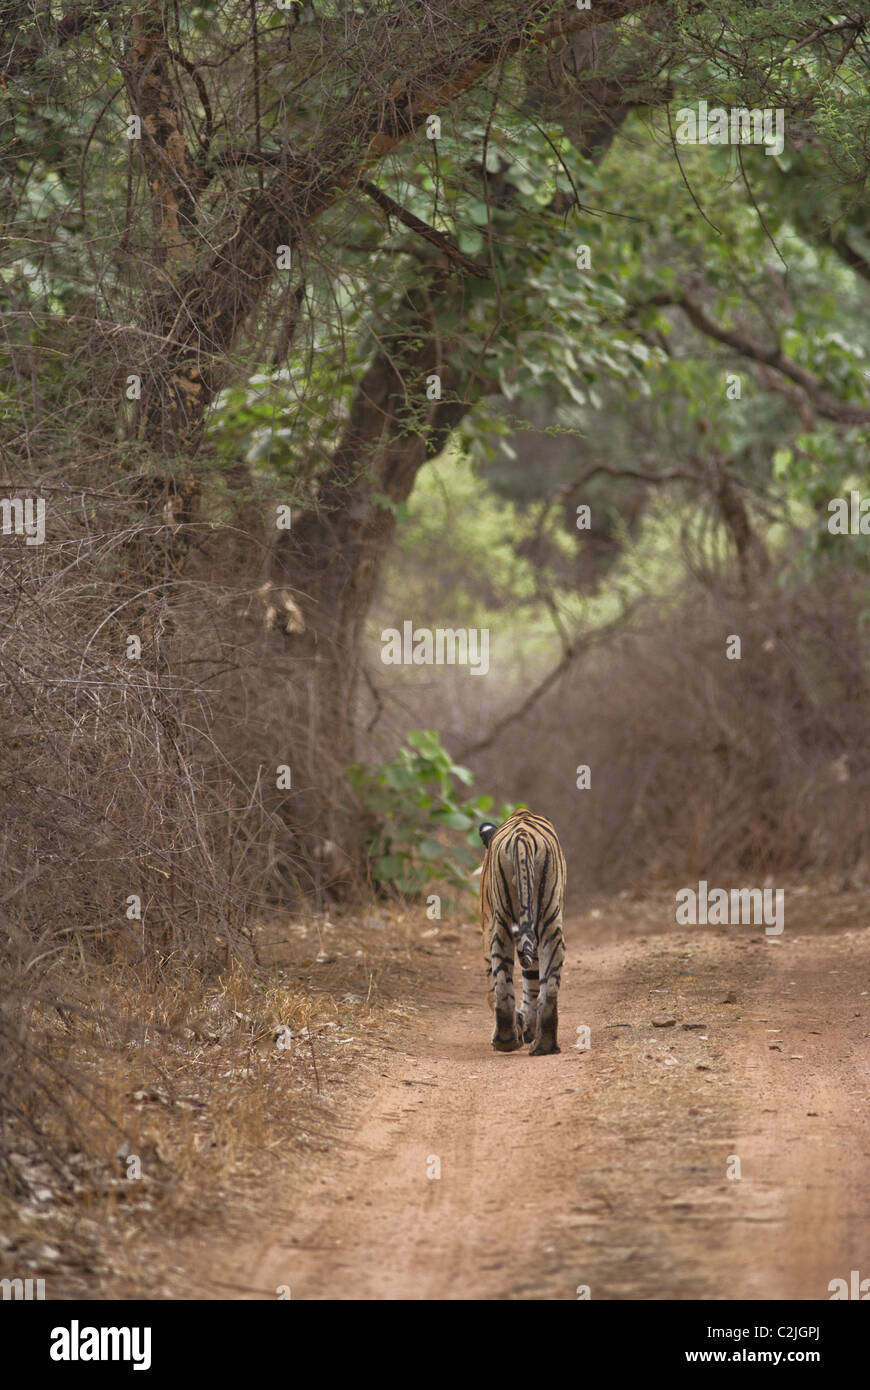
x=415 y=224
x=828 y=406
x=570 y=654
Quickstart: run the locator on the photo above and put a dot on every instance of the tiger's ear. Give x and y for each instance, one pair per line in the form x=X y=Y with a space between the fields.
x=486 y=831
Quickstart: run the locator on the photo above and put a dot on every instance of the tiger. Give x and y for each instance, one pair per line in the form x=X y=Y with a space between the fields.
x=522 y=897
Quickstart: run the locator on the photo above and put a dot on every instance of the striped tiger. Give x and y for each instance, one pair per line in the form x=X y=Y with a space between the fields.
x=522 y=895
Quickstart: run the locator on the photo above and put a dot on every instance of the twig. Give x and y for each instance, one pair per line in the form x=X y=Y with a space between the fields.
x=416 y=224
x=314 y=1059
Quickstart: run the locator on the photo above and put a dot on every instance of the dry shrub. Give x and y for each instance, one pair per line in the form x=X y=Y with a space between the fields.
x=149 y=779
x=703 y=766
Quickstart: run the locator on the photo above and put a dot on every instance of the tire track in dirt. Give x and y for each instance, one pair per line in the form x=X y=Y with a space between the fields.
x=607 y=1168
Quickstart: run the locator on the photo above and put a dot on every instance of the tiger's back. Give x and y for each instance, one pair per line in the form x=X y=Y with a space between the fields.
x=522 y=895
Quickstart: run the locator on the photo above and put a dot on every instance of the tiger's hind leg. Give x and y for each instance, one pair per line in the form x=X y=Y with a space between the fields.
x=531 y=987
x=551 y=956
x=508 y=1033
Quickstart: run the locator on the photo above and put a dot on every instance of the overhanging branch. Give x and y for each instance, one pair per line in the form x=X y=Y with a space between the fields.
x=415 y=224
x=828 y=406
x=218 y=299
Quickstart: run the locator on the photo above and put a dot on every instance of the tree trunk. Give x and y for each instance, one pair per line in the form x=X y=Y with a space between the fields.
x=332 y=558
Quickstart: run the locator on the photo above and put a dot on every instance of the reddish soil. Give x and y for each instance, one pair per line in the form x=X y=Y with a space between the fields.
x=607 y=1168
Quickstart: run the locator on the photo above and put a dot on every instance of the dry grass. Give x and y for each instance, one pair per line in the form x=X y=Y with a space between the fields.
x=189 y=1079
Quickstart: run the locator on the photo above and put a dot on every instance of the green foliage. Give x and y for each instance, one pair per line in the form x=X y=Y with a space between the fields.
x=768 y=245
x=764 y=243
x=457 y=549
x=413 y=803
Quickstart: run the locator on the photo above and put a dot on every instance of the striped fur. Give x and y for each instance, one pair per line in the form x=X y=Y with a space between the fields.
x=522 y=895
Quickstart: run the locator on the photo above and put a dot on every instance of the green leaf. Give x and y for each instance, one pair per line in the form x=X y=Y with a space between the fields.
x=430 y=849
x=389 y=866
x=782 y=461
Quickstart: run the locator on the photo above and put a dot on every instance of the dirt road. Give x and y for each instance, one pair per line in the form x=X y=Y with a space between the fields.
x=613 y=1169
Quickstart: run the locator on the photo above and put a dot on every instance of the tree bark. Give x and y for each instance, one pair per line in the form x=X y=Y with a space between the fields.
x=332 y=558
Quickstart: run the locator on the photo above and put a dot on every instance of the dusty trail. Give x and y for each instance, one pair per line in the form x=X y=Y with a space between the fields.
x=608 y=1168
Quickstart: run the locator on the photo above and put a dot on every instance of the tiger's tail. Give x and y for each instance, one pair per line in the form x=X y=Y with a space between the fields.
x=523 y=931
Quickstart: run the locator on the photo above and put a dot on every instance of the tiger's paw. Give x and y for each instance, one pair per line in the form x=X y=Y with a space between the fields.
x=544 y=1047
x=508 y=1034
x=528 y=1030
